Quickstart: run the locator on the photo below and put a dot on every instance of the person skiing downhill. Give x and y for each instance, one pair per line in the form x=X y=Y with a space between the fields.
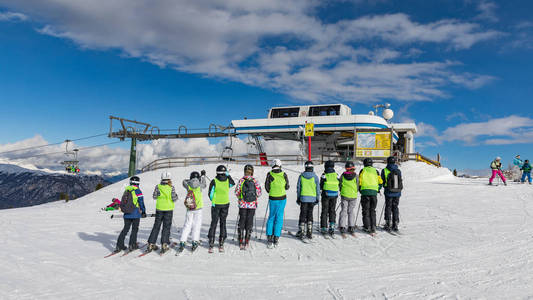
x=132 y=219
x=276 y=184
x=248 y=190
x=329 y=184
x=517 y=161
x=219 y=196
x=193 y=217
x=526 y=171
x=165 y=196
x=496 y=167
x=370 y=184
x=392 y=193
x=348 y=185
x=307 y=196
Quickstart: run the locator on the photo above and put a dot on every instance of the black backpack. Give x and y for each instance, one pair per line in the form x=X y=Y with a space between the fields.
x=394 y=181
x=248 y=191
x=126 y=203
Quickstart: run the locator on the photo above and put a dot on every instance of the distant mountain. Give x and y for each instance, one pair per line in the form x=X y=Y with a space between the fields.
x=21 y=187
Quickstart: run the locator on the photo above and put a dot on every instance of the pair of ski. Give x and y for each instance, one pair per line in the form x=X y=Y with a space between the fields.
x=345 y=235
x=161 y=252
x=220 y=249
x=126 y=252
x=304 y=238
x=181 y=249
x=391 y=232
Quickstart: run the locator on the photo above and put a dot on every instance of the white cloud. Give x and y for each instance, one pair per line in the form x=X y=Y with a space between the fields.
x=109 y=160
x=487 y=11
x=427 y=130
x=273 y=44
x=508 y=130
x=457 y=115
x=12 y=16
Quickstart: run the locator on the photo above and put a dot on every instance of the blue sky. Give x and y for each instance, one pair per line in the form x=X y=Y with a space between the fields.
x=460 y=69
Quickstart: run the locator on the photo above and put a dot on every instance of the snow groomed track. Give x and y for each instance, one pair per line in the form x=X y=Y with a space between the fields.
x=460 y=239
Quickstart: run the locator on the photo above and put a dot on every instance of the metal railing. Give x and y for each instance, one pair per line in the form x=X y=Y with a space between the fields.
x=419 y=157
x=252 y=159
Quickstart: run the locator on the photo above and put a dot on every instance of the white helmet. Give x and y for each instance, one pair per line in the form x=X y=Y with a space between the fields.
x=277 y=163
x=166 y=175
x=498 y=158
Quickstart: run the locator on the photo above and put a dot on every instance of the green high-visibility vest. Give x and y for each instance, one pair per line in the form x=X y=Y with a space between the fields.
x=307 y=186
x=132 y=189
x=386 y=172
x=221 y=195
x=164 y=201
x=331 y=183
x=349 y=188
x=369 y=179
x=197 y=196
x=277 y=186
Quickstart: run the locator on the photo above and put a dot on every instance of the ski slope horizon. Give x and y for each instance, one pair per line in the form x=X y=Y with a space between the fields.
x=460 y=239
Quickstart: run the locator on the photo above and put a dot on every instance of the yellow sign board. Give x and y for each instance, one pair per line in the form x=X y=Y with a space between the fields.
x=373 y=144
x=309 y=129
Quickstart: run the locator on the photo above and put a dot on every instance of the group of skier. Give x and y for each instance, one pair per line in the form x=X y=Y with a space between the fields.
x=523 y=166
x=310 y=191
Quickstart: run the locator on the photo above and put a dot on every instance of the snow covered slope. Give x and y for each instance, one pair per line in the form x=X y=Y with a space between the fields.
x=461 y=239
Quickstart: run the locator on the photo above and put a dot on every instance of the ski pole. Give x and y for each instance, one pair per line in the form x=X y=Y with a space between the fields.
x=357 y=213
x=236 y=225
x=381 y=214
x=255 y=225
x=264 y=220
x=120 y=216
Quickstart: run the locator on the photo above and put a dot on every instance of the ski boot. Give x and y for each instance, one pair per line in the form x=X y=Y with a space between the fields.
x=310 y=230
x=301 y=228
x=241 y=240
x=275 y=241
x=195 y=245
x=387 y=226
x=394 y=226
x=270 y=242
x=331 y=229
x=133 y=247
x=164 y=248
x=505 y=183
x=181 y=247
x=221 y=245
x=211 y=245
x=247 y=239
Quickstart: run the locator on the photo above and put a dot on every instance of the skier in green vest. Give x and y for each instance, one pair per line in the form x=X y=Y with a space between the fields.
x=219 y=195
x=193 y=217
x=349 y=184
x=276 y=184
x=329 y=184
x=165 y=196
x=307 y=196
x=370 y=184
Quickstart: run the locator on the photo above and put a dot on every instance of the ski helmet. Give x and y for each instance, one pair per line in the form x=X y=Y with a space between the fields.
x=498 y=158
x=391 y=160
x=349 y=165
x=309 y=166
x=135 y=180
x=195 y=175
x=221 y=169
x=329 y=164
x=166 y=175
x=367 y=162
x=249 y=168
x=276 y=163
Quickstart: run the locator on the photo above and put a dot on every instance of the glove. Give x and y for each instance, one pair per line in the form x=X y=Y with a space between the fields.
x=202 y=173
x=227 y=173
x=298 y=201
x=143 y=215
x=316 y=202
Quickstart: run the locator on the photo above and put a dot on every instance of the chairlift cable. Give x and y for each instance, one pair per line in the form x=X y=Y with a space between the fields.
x=53 y=144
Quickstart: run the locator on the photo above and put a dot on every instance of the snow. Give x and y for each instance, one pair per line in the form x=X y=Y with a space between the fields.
x=461 y=239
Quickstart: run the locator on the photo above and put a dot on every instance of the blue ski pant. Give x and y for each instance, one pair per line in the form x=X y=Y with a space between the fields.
x=275 y=217
x=524 y=174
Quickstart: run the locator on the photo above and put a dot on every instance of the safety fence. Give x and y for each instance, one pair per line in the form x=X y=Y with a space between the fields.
x=419 y=157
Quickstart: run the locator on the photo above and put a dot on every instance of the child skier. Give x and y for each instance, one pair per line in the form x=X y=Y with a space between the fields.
x=219 y=196
x=276 y=184
x=114 y=205
x=165 y=196
x=193 y=217
x=526 y=171
x=307 y=196
x=370 y=184
x=348 y=187
x=393 y=183
x=329 y=184
x=248 y=190
x=496 y=167
x=132 y=219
